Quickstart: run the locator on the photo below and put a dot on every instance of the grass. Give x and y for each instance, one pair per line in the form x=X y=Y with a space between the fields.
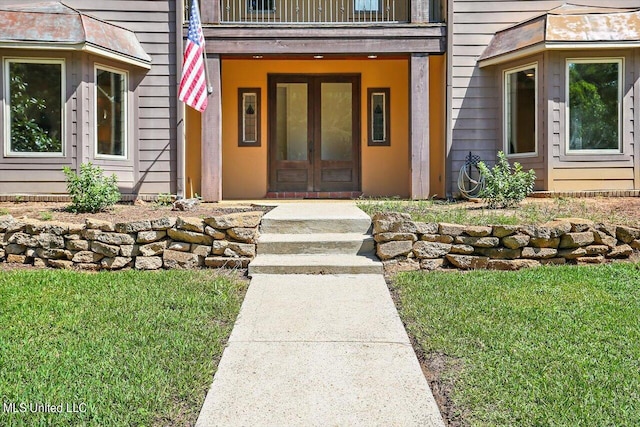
x=45 y=216
x=463 y=213
x=130 y=348
x=545 y=346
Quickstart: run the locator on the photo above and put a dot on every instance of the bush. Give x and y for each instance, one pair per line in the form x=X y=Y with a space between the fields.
x=91 y=191
x=503 y=186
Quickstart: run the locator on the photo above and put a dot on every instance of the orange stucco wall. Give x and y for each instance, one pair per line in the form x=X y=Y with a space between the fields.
x=384 y=170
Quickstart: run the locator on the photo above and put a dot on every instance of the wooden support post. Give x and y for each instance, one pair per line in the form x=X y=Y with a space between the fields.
x=419 y=122
x=210 y=11
x=211 y=184
x=419 y=11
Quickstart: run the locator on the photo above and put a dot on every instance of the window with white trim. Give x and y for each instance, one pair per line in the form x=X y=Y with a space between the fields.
x=594 y=100
x=111 y=112
x=34 y=107
x=520 y=110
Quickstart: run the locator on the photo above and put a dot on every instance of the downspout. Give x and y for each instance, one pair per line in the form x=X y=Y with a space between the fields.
x=180 y=125
x=448 y=173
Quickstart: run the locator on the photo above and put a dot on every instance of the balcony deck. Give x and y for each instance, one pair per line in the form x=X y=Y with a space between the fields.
x=289 y=12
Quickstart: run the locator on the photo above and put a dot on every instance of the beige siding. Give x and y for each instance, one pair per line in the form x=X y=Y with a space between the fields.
x=476 y=116
x=151 y=167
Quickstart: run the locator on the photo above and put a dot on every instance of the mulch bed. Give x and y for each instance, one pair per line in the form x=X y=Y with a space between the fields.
x=122 y=212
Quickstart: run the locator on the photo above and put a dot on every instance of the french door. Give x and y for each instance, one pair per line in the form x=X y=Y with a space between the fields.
x=314 y=132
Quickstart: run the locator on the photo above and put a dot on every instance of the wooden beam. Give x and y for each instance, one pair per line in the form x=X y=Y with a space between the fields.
x=326 y=39
x=419 y=125
x=211 y=155
x=324 y=46
x=312 y=31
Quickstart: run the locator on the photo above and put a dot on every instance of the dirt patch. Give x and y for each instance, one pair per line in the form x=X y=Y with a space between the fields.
x=439 y=369
x=624 y=209
x=121 y=212
x=613 y=210
x=4 y=266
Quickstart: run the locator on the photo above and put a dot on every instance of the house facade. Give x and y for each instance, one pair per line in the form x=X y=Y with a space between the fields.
x=553 y=85
x=323 y=98
x=320 y=98
x=86 y=81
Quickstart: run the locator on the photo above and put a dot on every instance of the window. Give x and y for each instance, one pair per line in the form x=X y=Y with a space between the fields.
x=366 y=5
x=520 y=105
x=594 y=98
x=379 y=125
x=111 y=114
x=261 y=5
x=35 y=107
x=249 y=117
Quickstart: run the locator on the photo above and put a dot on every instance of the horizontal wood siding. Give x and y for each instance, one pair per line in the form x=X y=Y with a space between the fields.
x=152 y=165
x=475 y=93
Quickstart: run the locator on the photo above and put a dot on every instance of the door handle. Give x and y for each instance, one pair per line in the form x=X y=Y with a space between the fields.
x=310 y=150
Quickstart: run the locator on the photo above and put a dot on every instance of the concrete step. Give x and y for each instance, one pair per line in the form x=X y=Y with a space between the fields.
x=318 y=243
x=297 y=218
x=314 y=264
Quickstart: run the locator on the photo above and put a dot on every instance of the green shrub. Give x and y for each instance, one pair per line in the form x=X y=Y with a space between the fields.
x=164 y=199
x=91 y=191
x=503 y=186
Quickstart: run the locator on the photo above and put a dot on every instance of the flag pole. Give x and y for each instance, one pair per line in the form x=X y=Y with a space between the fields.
x=206 y=71
x=204 y=54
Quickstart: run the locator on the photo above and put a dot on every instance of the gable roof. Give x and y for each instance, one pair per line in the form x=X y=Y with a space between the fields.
x=54 y=25
x=569 y=26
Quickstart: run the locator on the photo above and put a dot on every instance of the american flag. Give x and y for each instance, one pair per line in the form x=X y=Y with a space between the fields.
x=193 y=86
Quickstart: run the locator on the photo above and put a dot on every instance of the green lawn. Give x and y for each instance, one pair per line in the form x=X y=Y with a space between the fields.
x=555 y=346
x=128 y=348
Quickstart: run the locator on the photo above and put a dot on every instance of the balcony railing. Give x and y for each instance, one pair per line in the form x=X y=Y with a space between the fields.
x=313 y=11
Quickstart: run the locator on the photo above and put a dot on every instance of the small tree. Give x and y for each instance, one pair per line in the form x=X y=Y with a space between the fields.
x=90 y=190
x=503 y=186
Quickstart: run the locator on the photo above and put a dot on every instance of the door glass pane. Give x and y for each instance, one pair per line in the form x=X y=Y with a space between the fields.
x=291 y=121
x=336 y=121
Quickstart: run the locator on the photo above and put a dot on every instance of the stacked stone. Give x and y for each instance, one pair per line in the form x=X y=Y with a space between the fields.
x=183 y=242
x=411 y=245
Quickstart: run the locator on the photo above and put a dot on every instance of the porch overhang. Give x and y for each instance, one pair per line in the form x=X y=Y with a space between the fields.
x=566 y=27
x=56 y=26
x=326 y=39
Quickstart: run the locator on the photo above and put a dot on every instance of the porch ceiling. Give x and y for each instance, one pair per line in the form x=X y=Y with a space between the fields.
x=54 y=25
x=566 y=27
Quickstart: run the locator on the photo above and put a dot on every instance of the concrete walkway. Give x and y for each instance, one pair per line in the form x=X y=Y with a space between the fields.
x=318 y=350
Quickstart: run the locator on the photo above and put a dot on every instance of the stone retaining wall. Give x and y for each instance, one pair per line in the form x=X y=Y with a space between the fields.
x=404 y=244
x=182 y=242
